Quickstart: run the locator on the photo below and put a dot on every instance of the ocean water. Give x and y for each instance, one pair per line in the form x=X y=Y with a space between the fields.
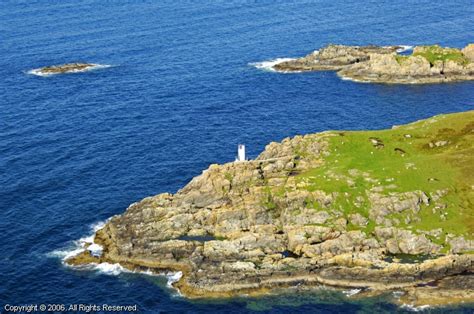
x=182 y=90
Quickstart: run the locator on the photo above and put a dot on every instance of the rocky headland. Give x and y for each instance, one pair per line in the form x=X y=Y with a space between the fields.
x=426 y=64
x=334 y=57
x=381 y=211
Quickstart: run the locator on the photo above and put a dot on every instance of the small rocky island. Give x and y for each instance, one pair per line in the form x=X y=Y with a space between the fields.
x=380 y=211
x=426 y=64
x=65 y=68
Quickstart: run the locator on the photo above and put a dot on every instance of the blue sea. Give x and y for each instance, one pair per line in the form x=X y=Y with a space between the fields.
x=183 y=88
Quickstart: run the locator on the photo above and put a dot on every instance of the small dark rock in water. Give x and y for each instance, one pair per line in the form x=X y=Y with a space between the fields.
x=64 y=68
x=70 y=67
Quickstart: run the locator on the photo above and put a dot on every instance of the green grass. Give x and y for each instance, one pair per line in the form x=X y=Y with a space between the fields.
x=436 y=53
x=421 y=167
x=229 y=176
x=400 y=58
x=269 y=202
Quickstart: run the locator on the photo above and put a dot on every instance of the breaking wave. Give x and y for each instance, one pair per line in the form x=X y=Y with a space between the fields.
x=80 y=245
x=404 y=48
x=117 y=269
x=345 y=78
x=350 y=293
x=173 y=277
x=269 y=65
x=87 y=243
x=413 y=308
x=109 y=269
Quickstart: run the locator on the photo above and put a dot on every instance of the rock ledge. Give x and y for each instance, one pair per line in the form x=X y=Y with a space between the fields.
x=374 y=64
x=274 y=222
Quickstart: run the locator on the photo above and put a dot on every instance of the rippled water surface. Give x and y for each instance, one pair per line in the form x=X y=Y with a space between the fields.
x=181 y=93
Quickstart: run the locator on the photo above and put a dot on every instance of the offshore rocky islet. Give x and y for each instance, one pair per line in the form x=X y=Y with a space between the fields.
x=375 y=64
x=384 y=210
x=76 y=67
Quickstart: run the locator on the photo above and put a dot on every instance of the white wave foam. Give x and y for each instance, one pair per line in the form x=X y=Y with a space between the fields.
x=345 y=78
x=87 y=243
x=415 y=308
x=93 y=67
x=109 y=269
x=98 y=225
x=350 y=293
x=404 y=48
x=64 y=254
x=95 y=249
x=79 y=246
x=269 y=65
x=117 y=269
x=173 y=277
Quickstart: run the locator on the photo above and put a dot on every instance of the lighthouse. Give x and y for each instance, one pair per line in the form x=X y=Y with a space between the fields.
x=240 y=153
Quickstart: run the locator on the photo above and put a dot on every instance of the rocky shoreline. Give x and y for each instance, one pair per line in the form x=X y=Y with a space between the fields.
x=292 y=217
x=375 y=64
x=334 y=58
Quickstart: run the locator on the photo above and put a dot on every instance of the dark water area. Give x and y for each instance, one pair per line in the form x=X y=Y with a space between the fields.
x=181 y=93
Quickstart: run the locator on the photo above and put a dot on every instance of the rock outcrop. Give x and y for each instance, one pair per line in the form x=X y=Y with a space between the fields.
x=333 y=57
x=468 y=52
x=427 y=64
x=65 y=68
x=286 y=219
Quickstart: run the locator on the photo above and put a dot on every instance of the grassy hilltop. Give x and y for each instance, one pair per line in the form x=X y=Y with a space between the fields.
x=431 y=155
x=436 y=53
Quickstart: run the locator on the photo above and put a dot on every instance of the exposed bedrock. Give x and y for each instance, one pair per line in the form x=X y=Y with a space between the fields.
x=248 y=227
x=427 y=64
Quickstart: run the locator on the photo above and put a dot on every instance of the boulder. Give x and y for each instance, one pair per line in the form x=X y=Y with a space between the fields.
x=404 y=241
x=358 y=220
x=461 y=245
x=468 y=51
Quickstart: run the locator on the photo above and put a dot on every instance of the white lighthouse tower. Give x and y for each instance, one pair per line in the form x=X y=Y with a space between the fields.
x=241 y=153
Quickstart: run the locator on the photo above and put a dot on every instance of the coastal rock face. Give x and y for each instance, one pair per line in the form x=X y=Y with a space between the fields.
x=332 y=208
x=403 y=241
x=431 y=64
x=427 y=64
x=449 y=290
x=333 y=57
x=468 y=52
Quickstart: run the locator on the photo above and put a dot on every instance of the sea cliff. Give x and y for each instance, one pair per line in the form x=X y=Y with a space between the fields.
x=388 y=210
